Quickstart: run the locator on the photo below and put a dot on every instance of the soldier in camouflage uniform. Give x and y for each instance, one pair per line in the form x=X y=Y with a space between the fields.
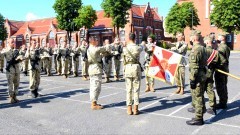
x=65 y=56
x=33 y=53
x=84 y=61
x=24 y=63
x=116 y=52
x=107 y=62
x=95 y=70
x=70 y=66
x=197 y=76
x=180 y=48
x=75 y=59
x=148 y=55
x=55 y=53
x=59 y=62
x=222 y=79
x=12 y=69
x=46 y=56
x=132 y=73
x=1 y=60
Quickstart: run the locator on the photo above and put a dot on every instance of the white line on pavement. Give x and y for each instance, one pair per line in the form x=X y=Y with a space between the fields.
x=179 y=109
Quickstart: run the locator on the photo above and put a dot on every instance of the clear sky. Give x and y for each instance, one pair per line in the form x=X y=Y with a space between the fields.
x=35 y=9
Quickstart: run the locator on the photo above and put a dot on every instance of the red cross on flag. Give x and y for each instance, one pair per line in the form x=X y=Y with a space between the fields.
x=163 y=65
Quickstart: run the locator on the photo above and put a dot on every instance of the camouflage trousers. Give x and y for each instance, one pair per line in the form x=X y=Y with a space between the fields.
x=117 y=65
x=221 y=81
x=47 y=64
x=180 y=76
x=149 y=80
x=24 y=64
x=34 y=79
x=75 y=65
x=70 y=65
x=1 y=63
x=211 y=94
x=55 y=62
x=133 y=90
x=13 y=79
x=84 y=67
x=95 y=86
x=107 y=69
x=65 y=66
x=59 y=66
x=198 y=100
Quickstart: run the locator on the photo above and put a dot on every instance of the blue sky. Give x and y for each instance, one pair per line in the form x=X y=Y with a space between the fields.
x=35 y=9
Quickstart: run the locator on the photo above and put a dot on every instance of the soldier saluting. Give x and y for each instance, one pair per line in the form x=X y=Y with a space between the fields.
x=116 y=52
x=12 y=69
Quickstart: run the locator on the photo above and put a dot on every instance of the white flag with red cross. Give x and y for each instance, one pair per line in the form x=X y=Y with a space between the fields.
x=164 y=65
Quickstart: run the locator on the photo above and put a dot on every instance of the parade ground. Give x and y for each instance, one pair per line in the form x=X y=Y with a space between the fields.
x=65 y=108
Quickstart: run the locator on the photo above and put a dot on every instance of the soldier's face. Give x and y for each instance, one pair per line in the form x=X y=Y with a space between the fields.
x=149 y=40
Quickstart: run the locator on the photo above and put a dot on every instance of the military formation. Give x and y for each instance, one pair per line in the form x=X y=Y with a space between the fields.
x=97 y=60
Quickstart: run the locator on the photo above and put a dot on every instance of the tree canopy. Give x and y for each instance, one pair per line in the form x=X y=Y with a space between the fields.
x=3 y=30
x=67 y=11
x=226 y=15
x=180 y=17
x=118 y=11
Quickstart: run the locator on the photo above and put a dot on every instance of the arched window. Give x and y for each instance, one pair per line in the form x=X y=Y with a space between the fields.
x=43 y=42
x=61 y=41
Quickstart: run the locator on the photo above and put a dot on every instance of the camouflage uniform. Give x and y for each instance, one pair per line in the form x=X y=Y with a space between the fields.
x=84 y=61
x=70 y=61
x=148 y=55
x=34 y=73
x=55 y=53
x=95 y=70
x=65 y=52
x=222 y=79
x=12 y=72
x=1 y=62
x=59 y=62
x=132 y=73
x=75 y=60
x=46 y=56
x=24 y=63
x=107 y=64
x=116 y=52
x=197 y=64
x=181 y=48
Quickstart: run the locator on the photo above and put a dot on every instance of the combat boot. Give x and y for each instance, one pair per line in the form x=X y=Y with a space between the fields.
x=192 y=110
x=129 y=110
x=1 y=70
x=221 y=106
x=151 y=88
x=15 y=98
x=116 y=78
x=195 y=121
x=33 y=94
x=181 y=91
x=11 y=100
x=65 y=76
x=147 y=88
x=107 y=80
x=178 y=90
x=135 y=110
x=75 y=74
x=212 y=111
x=96 y=106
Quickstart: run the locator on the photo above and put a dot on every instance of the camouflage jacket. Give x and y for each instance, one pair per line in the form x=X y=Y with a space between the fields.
x=148 y=53
x=224 y=50
x=181 y=48
x=197 y=63
x=34 y=59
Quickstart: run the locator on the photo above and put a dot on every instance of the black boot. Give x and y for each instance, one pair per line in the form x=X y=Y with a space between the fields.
x=192 y=110
x=221 y=106
x=1 y=70
x=195 y=121
x=33 y=94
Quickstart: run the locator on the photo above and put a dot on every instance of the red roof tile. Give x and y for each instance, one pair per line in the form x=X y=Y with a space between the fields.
x=102 y=21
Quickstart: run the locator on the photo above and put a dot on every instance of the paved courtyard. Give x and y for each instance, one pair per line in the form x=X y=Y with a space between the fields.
x=65 y=109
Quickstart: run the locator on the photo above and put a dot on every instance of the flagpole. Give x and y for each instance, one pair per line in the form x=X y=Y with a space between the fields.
x=233 y=76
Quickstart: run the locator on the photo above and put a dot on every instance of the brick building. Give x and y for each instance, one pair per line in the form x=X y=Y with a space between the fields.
x=204 y=8
x=143 y=20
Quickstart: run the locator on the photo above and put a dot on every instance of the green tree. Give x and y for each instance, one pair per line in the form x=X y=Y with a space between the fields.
x=180 y=17
x=67 y=11
x=3 y=30
x=86 y=18
x=118 y=11
x=226 y=15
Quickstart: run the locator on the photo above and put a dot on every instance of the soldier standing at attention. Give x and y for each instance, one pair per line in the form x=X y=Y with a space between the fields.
x=95 y=70
x=12 y=69
x=75 y=59
x=116 y=52
x=132 y=73
x=107 y=62
x=33 y=53
x=1 y=60
x=65 y=56
x=55 y=53
x=148 y=54
x=197 y=76
x=59 y=62
x=84 y=59
x=47 y=58
x=180 y=48
x=222 y=79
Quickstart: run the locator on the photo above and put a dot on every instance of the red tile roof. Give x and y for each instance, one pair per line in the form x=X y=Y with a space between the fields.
x=102 y=21
x=139 y=10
